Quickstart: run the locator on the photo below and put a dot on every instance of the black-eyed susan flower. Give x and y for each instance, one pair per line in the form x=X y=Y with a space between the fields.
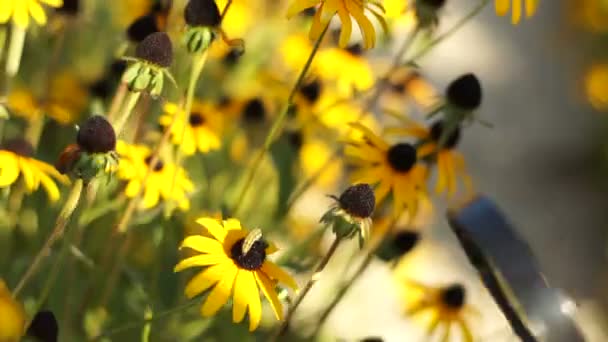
x=392 y=168
x=347 y=67
x=201 y=133
x=236 y=265
x=515 y=7
x=445 y=306
x=345 y=9
x=451 y=166
x=16 y=160
x=64 y=103
x=21 y=10
x=352 y=213
x=12 y=324
x=166 y=181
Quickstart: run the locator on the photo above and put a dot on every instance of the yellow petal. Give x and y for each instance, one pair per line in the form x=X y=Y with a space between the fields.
x=50 y=187
x=220 y=293
x=202 y=244
x=275 y=272
x=255 y=308
x=53 y=3
x=381 y=191
x=232 y=224
x=268 y=289
x=346 y=27
x=29 y=174
x=366 y=26
x=318 y=25
x=132 y=188
x=516 y=11
x=9 y=168
x=531 y=7
x=6 y=10
x=200 y=260
x=244 y=289
x=205 y=279
x=466 y=332
x=37 y=12
x=375 y=140
x=213 y=227
x=502 y=7
x=20 y=15
x=151 y=197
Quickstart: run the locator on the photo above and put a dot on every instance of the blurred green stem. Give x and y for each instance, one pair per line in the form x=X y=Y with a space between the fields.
x=276 y=126
x=15 y=50
x=154 y=318
x=62 y=220
x=126 y=112
x=313 y=279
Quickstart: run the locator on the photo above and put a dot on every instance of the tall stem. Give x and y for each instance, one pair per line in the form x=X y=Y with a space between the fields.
x=126 y=112
x=62 y=220
x=15 y=50
x=277 y=124
x=315 y=276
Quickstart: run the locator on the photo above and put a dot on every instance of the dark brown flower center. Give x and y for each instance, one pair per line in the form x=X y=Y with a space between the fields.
x=196 y=119
x=158 y=166
x=18 y=146
x=253 y=259
x=358 y=200
x=355 y=49
x=453 y=296
x=254 y=111
x=437 y=130
x=402 y=157
x=311 y=91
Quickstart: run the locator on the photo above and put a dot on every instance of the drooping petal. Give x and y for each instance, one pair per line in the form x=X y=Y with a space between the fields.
x=255 y=309
x=371 y=136
x=220 y=293
x=382 y=190
x=268 y=289
x=275 y=272
x=6 y=10
x=318 y=25
x=201 y=260
x=531 y=7
x=52 y=3
x=365 y=25
x=502 y=7
x=30 y=177
x=346 y=29
x=202 y=244
x=244 y=289
x=516 y=11
x=213 y=227
x=21 y=17
x=37 y=12
x=50 y=187
x=205 y=279
x=9 y=168
x=446 y=333
x=467 y=335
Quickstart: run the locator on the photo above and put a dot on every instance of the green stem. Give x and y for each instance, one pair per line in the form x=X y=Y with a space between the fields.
x=276 y=126
x=15 y=50
x=154 y=318
x=315 y=276
x=126 y=112
x=2 y=39
x=62 y=220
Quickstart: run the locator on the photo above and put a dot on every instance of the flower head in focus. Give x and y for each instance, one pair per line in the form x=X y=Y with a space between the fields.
x=12 y=324
x=21 y=10
x=450 y=163
x=352 y=213
x=345 y=9
x=16 y=160
x=165 y=180
x=201 y=133
x=236 y=265
x=393 y=168
x=515 y=7
x=446 y=306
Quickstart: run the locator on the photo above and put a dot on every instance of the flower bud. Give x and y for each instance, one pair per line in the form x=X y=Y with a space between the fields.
x=358 y=200
x=465 y=92
x=202 y=13
x=96 y=135
x=156 y=49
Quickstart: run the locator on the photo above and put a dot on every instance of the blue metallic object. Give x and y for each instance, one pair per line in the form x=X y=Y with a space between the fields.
x=508 y=269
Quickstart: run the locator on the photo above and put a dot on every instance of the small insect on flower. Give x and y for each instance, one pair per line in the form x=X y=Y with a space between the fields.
x=12 y=324
x=344 y=9
x=503 y=7
x=351 y=214
x=445 y=305
x=16 y=160
x=20 y=11
x=236 y=264
x=394 y=168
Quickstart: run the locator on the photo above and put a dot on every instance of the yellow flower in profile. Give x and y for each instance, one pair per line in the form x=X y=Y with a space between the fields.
x=393 y=168
x=450 y=163
x=21 y=10
x=201 y=132
x=65 y=102
x=166 y=180
x=15 y=161
x=346 y=67
x=344 y=9
x=236 y=265
x=12 y=324
x=596 y=86
x=515 y=6
x=445 y=306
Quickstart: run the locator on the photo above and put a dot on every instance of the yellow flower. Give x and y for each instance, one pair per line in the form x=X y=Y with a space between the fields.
x=445 y=305
x=315 y=154
x=236 y=264
x=65 y=102
x=391 y=167
x=15 y=161
x=202 y=131
x=21 y=10
x=503 y=7
x=166 y=181
x=344 y=9
x=596 y=86
x=450 y=163
x=12 y=324
x=127 y=11
x=346 y=67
